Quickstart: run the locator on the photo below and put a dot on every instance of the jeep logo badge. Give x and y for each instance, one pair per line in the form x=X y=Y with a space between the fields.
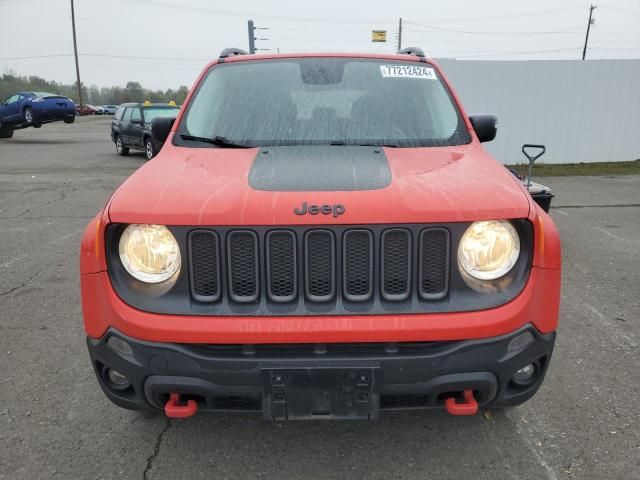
x=335 y=210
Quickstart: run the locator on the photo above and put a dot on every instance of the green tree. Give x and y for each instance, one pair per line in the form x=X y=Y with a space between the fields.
x=11 y=83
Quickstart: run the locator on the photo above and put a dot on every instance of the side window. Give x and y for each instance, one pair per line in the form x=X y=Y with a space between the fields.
x=13 y=99
x=127 y=114
x=119 y=113
x=135 y=115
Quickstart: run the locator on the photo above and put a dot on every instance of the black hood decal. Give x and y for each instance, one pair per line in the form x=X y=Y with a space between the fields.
x=320 y=168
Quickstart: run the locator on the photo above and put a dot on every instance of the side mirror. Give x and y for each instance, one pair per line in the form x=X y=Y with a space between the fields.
x=160 y=128
x=485 y=126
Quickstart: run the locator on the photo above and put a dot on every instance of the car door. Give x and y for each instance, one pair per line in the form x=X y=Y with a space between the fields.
x=136 y=127
x=123 y=126
x=20 y=106
x=116 y=122
x=9 y=110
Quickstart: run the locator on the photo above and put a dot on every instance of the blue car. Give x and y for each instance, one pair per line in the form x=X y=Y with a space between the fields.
x=32 y=109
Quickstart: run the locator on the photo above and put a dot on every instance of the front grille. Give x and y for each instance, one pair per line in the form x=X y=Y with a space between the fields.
x=281 y=266
x=205 y=270
x=434 y=260
x=358 y=265
x=355 y=266
x=242 y=253
x=396 y=264
x=320 y=264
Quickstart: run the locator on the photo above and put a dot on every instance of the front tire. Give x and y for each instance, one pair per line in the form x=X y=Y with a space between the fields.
x=5 y=133
x=149 y=150
x=28 y=115
x=120 y=148
x=70 y=119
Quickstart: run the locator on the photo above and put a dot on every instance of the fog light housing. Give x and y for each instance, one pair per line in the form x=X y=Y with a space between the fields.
x=525 y=375
x=520 y=341
x=118 y=380
x=120 y=346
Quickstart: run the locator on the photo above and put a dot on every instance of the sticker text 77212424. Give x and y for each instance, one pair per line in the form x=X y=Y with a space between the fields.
x=408 y=71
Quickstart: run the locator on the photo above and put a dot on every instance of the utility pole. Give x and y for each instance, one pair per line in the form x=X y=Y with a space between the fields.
x=252 y=39
x=591 y=22
x=75 y=52
x=400 y=35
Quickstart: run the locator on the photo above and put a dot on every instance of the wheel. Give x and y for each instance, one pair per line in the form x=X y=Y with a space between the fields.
x=6 y=133
x=120 y=148
x=70 y=119
x=28 y=115
x=149 y=151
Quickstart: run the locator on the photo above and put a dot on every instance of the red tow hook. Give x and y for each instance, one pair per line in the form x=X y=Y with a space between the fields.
x=468 y=407
x=174 y=410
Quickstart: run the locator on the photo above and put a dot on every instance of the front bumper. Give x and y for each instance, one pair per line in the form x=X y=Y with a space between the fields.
x=51 y=114
x=399 y=375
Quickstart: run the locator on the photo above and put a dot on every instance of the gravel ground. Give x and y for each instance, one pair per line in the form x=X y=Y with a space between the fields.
x=56 y=423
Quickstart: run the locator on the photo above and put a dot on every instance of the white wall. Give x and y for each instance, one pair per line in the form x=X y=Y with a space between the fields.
x=582 y=111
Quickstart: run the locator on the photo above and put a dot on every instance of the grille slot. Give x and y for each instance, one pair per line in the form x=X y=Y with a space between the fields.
x=357 y=260
x=281 y=266
x=204 y=255
x=242 y=251
x=396 y=264
x=320 y=264
x=433 y=278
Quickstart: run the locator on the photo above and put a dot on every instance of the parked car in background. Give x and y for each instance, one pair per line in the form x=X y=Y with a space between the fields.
x=109 y=109
x=131 y=126
x=99 y=110
x=32 y=109
x=86 y=110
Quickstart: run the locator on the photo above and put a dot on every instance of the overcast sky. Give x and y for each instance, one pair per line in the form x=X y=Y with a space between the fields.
x=165 y=43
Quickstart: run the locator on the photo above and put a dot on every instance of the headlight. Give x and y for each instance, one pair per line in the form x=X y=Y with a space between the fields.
x=149 y=253
x=488 y=250
x=37 y=100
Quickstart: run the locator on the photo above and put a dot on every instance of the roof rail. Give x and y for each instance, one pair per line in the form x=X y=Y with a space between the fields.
x=417 y=51
x=232 y=52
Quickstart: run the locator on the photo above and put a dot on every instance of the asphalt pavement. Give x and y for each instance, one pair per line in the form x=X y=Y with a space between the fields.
x=55 y=422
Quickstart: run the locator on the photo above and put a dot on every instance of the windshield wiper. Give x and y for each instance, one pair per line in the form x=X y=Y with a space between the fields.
x=340 y=143
x=219 y=141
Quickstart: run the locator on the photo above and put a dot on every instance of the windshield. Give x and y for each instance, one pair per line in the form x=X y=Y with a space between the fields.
x=152 y=112
x=44 y=94
x=314 y=101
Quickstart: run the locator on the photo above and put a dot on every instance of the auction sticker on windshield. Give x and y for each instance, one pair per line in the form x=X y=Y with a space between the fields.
x=408 y=71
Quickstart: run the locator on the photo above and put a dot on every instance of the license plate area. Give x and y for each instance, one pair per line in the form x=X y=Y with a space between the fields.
x=317 y=393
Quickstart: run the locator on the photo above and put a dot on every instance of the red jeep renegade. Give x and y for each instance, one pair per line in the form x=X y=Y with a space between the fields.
x=321 y=236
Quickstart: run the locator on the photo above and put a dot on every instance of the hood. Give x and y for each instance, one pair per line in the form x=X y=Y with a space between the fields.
x=222 y=186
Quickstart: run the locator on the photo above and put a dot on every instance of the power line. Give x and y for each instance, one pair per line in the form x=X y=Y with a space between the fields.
x=528 y=52
x=38 y=56
x=446 y=29
x=615 y=48
x=137 y=65
x=213 y=11
x=173 y=59
x=620 y=11
x=534 y=13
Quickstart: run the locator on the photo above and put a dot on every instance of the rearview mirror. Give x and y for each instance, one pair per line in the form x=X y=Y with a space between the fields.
x=160 y=128
x=485 y=126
